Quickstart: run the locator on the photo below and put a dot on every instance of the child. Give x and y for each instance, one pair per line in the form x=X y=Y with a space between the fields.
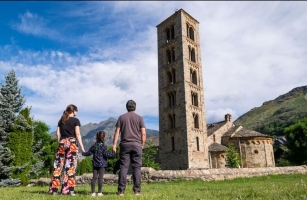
x=100 y=155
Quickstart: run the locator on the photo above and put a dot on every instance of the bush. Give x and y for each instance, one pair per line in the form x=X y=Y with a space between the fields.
x=233 y=158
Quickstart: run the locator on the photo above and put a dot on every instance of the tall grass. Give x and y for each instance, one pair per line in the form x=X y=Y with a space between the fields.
x=270 y=187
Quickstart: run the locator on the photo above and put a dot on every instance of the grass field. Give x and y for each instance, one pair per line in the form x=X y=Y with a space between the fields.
x=277 y=187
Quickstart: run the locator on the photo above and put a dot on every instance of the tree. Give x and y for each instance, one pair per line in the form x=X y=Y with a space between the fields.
x=43 y=157
x=113 y=163
x=85 y=166
x=148 y=159
x=233 y=159
x=20 y=143
x=49 y=153
x=296 y=136
x=11 y=102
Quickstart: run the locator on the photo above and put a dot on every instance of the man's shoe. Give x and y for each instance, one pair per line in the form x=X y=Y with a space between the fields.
x=121 y=193
x=99 y=194
x=93 y=194
x=137 y=193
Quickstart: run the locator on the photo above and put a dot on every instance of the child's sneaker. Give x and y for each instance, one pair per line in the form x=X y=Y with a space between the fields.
x=93 y=194
x=99 y=194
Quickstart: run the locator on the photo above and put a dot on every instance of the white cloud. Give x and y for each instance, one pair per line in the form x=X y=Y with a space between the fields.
x=219 y=115
x=32 y=24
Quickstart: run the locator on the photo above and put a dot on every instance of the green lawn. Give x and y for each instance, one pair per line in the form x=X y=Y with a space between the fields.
x=277 y=187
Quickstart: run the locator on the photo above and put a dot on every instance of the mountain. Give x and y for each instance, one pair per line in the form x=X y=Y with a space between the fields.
x=89 y=131
x=273 y=116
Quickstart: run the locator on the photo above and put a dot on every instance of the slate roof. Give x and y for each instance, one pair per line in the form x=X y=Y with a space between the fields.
x=211 y=128
x=249 y=133
x=217 y=147
x=243 y=133
x=231 y=131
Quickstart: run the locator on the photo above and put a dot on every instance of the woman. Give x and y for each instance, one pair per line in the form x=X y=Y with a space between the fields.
x=68 y=132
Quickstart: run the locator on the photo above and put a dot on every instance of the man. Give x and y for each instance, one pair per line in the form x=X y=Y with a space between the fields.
x=132 y=132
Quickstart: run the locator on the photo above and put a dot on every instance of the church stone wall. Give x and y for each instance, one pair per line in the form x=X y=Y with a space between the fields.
x=257 y=153
x=217 y=135
x=218 y=159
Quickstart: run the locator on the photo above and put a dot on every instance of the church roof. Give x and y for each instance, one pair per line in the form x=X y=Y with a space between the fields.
x=211 y=128
x=249 y=133
x=231 y=130
x=217 y=147
x=238 y=131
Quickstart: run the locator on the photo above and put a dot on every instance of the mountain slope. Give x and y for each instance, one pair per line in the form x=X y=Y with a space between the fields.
x=273 y=116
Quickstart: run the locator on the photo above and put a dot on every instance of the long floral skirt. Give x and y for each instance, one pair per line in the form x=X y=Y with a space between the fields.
x=66 y=158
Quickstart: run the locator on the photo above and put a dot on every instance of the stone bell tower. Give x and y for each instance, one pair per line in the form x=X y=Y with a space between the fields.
x=182 y=120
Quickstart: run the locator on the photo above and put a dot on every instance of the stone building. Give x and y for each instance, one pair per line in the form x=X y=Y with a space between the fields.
x=255 y=149
x=184 y=142
x=182 y=120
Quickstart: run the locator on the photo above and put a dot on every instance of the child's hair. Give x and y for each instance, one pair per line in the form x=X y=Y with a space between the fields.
x=100 y=136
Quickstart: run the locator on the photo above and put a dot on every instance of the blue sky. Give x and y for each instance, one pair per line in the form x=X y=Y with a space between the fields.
x=97 y=55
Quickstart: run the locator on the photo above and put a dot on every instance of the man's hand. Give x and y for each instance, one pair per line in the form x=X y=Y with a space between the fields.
x=116 y=134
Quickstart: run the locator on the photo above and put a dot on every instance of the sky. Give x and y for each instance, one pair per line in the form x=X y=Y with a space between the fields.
x=98 y=55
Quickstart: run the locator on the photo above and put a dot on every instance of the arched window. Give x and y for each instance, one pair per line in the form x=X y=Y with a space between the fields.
x=191 y=33
x=170 y=121
x=194 y=77
x=173 y=143
x=173 y=32
x=194 y=99
x=193 y=55
x=196 y=122
x=171 y=76
x=174 y=75
x=172 y=99
x=168 y=35
x=197 y=143
x=173 y=53
x=174 y=121
x=168 y=56
x=187 y=30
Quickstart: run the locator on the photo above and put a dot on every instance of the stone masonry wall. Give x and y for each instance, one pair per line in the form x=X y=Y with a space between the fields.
x=150 y=175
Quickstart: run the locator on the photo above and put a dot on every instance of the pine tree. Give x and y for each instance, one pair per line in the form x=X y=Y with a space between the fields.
x=11 y=102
